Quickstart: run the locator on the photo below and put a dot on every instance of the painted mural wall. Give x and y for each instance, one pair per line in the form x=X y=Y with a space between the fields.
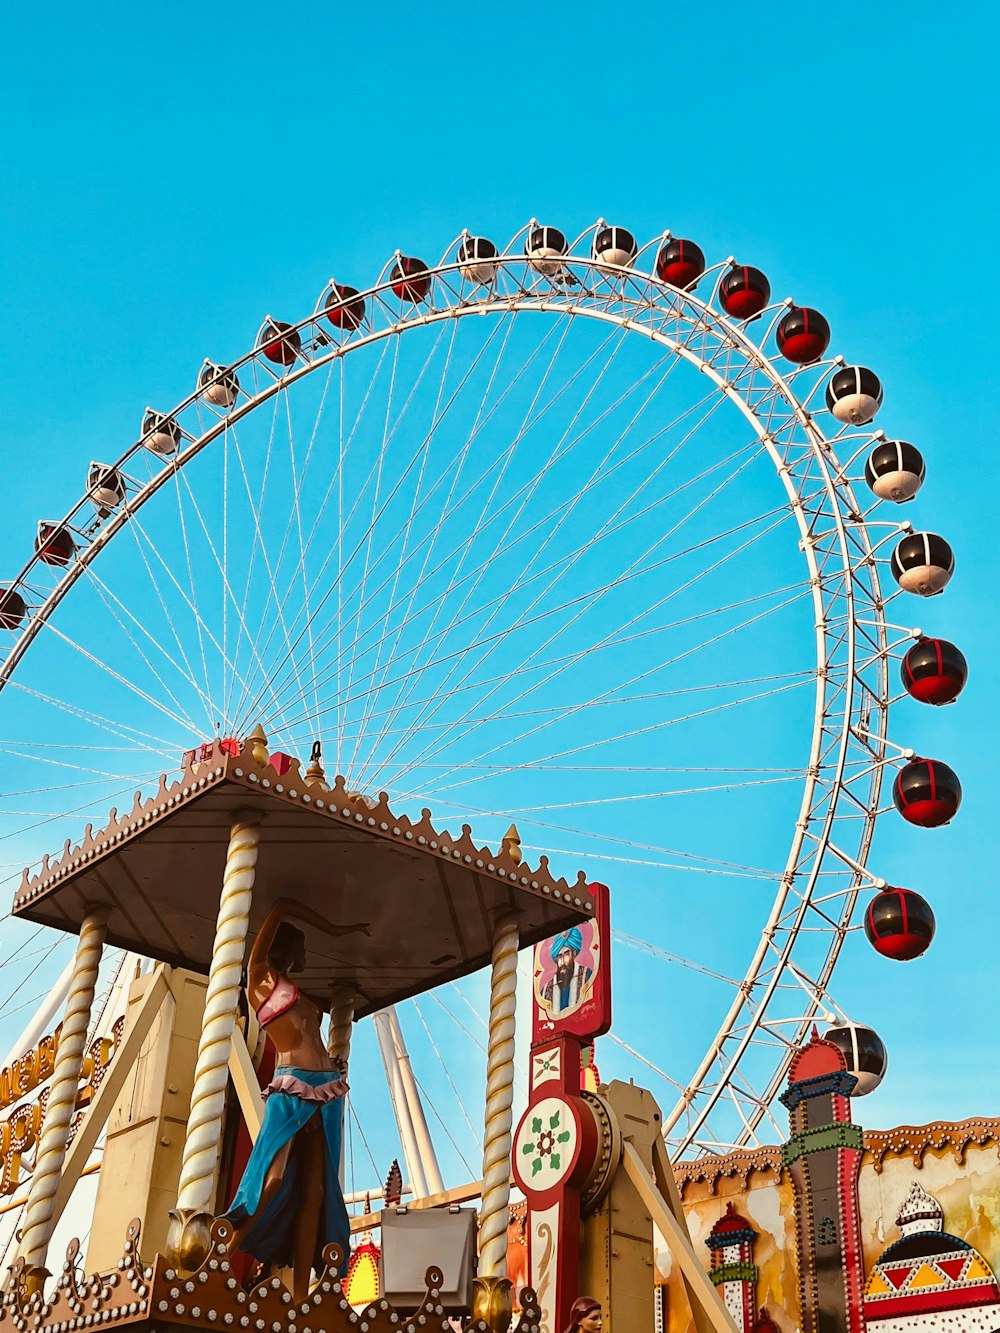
x=957 y=1165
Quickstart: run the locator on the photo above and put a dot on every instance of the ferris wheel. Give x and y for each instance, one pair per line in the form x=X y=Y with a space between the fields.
x=580 y=536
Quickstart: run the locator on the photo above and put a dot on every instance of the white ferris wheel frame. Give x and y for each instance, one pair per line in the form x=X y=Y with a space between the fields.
x=849 y=749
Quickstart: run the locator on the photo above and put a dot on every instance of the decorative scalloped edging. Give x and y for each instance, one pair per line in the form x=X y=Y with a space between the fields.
x=79 y=1302
x=913 y=1141
x=917 y=1140
x=742 y=1164
x=212 y=1298
x=376 y=817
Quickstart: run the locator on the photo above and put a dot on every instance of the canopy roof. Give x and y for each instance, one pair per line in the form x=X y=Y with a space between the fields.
x=430 y=898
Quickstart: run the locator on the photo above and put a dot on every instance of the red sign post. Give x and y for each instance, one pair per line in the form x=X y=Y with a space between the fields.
x=556 y=1142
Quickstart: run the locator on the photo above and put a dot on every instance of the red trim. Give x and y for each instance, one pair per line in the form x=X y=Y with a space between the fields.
x=930 y=1301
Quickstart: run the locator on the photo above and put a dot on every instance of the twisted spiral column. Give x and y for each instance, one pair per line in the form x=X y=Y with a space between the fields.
x=208 y=1096
x=63 y=1090
x=499 y=1098
x=338 y=1042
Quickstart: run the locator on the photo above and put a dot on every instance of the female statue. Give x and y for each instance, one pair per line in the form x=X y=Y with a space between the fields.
x=289 y=1204
x=585 y=1316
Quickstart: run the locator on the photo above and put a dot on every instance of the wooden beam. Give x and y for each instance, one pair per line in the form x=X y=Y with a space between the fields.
x=107 y=1094
x=460 y=1194
x=244 y=1080
x=663 y=1174
x=678 y=1241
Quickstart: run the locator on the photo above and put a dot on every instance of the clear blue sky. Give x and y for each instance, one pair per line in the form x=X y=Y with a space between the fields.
x=170 y=175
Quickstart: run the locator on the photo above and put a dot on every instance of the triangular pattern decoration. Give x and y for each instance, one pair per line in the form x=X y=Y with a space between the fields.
x=953 y=1268
x=978 y=1271
x=926 y=1276
x=877 y=1285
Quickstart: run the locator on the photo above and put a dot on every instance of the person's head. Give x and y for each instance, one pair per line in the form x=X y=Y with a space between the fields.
x=565 y=959
x=585 y=1315
x=564 y=950
x=288 y=949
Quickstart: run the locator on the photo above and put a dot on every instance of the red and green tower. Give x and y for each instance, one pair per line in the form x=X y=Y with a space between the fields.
x=823 y=1157
x=733 y=1272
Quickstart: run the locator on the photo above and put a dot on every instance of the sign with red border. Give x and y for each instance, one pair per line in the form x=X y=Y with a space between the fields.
x=571 y=977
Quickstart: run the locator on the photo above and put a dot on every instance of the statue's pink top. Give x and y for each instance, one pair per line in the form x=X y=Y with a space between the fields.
x=280 y=1000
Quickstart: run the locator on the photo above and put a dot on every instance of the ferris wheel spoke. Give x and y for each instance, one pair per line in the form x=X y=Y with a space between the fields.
x=145 y=741
x=297 y=484
x=364 y=542
x=272 y=599
x=134 y=530
x=673 y=692
x=644 y=946
x=336 y=484
x=447 y=509
x=587 y=605
x=551 y=527
x=630 y=734
x=460 y=1100
x=645 y=1061
x=488 y=509
x=585 y=602
x=437 y=417
x=618 y=642
x=43 y=818
x=528 y=422
x=96 y=660
x=203 y=628
x=135 y=630
x=354 y=645
x=388 y=434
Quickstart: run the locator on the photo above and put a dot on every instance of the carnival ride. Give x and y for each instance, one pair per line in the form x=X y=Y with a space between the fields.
x=501 y=533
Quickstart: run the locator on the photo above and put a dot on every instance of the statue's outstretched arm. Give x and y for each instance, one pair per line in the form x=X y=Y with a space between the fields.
x=291 y=907
x=285 y=909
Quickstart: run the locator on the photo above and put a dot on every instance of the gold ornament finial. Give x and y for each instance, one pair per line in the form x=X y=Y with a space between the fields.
x=189 y=1238
x=492 y=1302
x=512 y=844
x=258 y=740
x=315 y=774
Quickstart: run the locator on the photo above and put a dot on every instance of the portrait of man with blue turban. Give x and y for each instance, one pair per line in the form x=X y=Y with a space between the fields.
x=570 y=986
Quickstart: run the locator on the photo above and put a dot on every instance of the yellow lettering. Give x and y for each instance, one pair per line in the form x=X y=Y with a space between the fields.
x=22 y=1128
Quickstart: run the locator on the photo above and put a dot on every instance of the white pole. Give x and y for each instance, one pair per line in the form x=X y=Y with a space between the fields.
x=338 y=1044
x=407 y=1138
x=40 y=1024
x=425 y=1145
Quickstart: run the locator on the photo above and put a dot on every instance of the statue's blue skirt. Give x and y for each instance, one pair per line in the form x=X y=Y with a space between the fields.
x=271 y=1237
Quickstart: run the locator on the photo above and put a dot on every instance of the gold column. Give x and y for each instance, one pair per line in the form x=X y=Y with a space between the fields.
x=492 y=1300
x=189 y=1239
x=39 y=1223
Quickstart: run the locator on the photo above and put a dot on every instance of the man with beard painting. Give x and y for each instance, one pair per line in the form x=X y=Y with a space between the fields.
x=567 y=989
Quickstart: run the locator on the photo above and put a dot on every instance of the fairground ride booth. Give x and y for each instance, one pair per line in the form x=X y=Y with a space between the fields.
x=186 y=878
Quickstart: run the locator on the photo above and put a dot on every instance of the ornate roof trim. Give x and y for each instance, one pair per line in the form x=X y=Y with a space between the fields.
x=916 y=1140
x=913 y=1141
x=212 y=765
x=742 y=1164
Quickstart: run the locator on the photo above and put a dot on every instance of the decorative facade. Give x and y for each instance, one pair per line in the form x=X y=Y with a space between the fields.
x=928 y=1281
x=879 y=1231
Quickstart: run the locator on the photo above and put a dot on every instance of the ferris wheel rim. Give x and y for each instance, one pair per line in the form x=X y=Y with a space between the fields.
x=729 y=333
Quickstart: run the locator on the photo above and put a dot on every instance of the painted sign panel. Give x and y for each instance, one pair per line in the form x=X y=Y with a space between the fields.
x=572 y=977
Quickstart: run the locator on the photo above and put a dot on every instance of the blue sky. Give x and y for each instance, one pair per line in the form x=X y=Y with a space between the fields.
x=170 y=178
